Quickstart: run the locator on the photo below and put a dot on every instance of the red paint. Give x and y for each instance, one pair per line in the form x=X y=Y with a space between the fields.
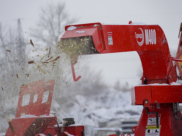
x=37 y=119
x=153 y=52
x=156 y=94
x=150 y=43
x=75 y=130
x=29 y=126
x=170 y=126
x=35 y=108
x=73 y=71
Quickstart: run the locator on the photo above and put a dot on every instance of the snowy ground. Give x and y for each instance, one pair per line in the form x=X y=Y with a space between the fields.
x=112 y=104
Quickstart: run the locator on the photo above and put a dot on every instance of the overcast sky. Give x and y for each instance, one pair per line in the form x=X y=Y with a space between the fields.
x=166 y=13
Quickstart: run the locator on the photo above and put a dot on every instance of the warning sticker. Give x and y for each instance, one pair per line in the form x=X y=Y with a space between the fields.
x=152 y=119
x=152 y=131
x=110 y=40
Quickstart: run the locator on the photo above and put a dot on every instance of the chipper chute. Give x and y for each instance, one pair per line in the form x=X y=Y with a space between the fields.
x=158 y=95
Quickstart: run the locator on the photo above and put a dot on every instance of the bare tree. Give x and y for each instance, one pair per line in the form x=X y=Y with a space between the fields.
x=12 y=60
x=12 y=49
x=50 y=26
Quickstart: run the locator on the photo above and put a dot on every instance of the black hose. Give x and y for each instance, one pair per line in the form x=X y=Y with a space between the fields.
x=58 y=127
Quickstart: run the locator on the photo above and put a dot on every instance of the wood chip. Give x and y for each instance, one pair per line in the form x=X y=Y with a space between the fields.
x=17 y=76
x=27 y=75
x=30 y=62
x=31 y=42
x=55 y=59
x=49 y=58
x=49 y=52
x=41 y=69
x=9 y=50
x=2 y=88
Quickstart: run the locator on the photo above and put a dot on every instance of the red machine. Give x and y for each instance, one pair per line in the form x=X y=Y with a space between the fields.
x=33 y=116
x=161 y=115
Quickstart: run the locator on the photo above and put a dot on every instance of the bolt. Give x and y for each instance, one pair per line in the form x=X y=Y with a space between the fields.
x=146 y=101
x=155 y=101
x=169 y=76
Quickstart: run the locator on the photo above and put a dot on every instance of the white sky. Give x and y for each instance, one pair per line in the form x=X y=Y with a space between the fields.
x=166 y=13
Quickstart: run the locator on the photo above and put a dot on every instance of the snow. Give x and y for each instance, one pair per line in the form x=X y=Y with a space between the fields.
x=112 y=104
x=60 y=125
x=33 y=116
x=158 y=84
x=40 y=135
x=28 y=116
x=80 y=32
x=71 y=28
x=175 y=83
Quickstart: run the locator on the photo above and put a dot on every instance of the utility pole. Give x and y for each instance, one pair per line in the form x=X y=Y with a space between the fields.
x=20 y=45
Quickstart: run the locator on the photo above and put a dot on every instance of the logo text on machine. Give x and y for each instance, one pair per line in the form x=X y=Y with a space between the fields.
x=150 y=37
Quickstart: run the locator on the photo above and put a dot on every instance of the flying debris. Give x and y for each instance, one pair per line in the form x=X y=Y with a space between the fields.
x=30 y=62
x=31 y=42
x=49 y=52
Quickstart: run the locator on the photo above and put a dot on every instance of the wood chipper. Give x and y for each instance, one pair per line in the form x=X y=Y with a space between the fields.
x=160 y=98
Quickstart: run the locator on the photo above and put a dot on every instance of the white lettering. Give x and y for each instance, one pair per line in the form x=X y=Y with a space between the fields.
x=150 y=36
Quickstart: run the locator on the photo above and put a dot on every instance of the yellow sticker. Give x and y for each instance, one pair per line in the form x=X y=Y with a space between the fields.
x=152 y=127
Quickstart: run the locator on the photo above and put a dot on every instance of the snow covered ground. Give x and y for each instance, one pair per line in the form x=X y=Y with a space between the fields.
x=98 y=98
x=113 y=104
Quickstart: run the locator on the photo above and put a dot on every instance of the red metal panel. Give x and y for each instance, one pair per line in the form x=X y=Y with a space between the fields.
x=29 y=126
x=170 y=126
x=92 y=29
x=36 y=107
x=157 y=94
x=172 y=76
x=154 y=65
x=179 y=56
x=140 y=94
x=75 y=130
x=167 y=94
x=148 y=40
x=130 y=37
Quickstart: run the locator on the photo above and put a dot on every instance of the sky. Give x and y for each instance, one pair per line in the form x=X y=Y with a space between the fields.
x=166 y=13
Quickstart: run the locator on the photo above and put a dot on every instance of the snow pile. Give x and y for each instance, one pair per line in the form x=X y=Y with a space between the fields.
x=71 y=28
x=90 y=110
